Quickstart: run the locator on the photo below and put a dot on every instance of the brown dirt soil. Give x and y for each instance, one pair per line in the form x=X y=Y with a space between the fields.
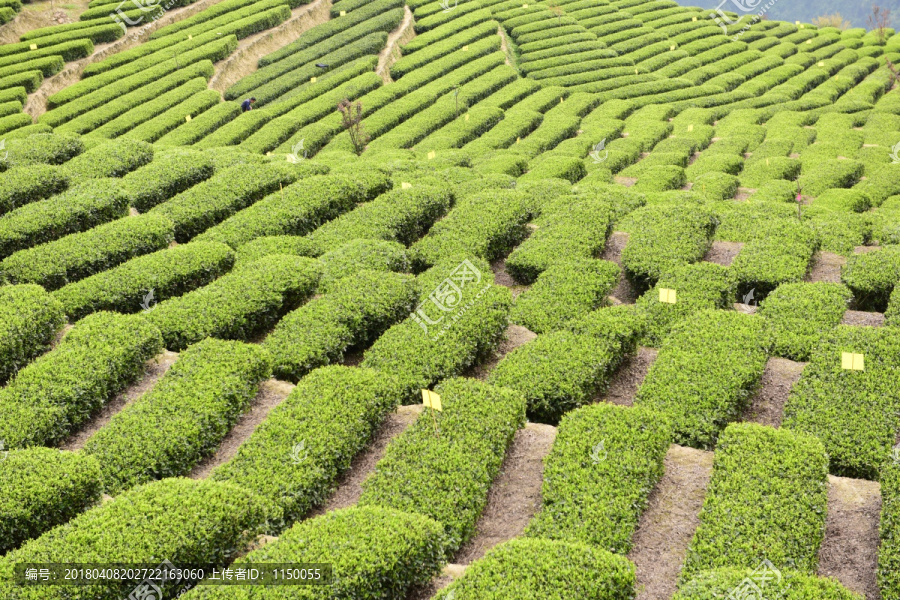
x=865 y=249
x=515 y=336
x=243 y=61
x=60 y=335
x=723 y=253
x=391 y=51
x=36 y=105
x=272 y=392
x=628 y=377
x=515 y=496
x=826 y=266
x=747 y=309
x=626 y=181
x=667 y=526
x=349 y=485
x=154 y=369
x=448 y=574
x=504 y=45
x=36 y=15
x=625 y=291
x=850 y=549
x=863 y=319
x=767 y=404
x=743 y=194
x=502 y=277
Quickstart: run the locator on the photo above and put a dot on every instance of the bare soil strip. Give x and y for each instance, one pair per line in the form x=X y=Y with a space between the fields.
x=747 y=309
x=502 y=277
x=155 y=368
x=36 y=105
x=850 y=549
x=504 y=45
x=826 y=266
x=863 y=319
x=628 y=377
x=767 y=405
x=59 y=335
x=391 y=51
x=243 y=61
x=37 y=15
x=349 y=485
x=450 y=572
x=515 y=496
x=625 y=291
x=515 y=336
x=667 y=526
x=272 y=392
x=865 y=249
x=723 y=253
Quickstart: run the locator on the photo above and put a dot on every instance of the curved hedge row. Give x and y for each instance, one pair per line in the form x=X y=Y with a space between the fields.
x=55 y=394
x=22 y=185
x=29 y=319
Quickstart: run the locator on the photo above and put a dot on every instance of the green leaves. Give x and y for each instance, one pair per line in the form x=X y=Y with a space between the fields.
x=29 y=318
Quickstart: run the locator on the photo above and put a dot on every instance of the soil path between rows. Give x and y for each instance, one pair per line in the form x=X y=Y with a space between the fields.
x=628 y=377
x=668 y=524
x=826 y=266
x=515 y=336
x=625 y=291
x=767 y=404
x=391 y=51
x=849 y=551
x=272 y=392
x=723 y=253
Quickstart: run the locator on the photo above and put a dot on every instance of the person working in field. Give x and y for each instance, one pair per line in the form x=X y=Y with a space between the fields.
x=248 y=104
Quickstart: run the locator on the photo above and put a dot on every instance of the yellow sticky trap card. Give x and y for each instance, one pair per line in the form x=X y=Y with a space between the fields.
x=405 y=185
x=187 y=118
x=312 y=79
x=524 y=6
x=691 y=127
x=694 y=19
x=518 y=139
x=431 y=154
x=853 y=362
x=190 y=37
x=672 y=47
x=33 y=46
x=809 y=41
x=821 y=64
x=465 y=48
x=343 y=13
x=667 y=296
x=467 y=116
x=431 y=400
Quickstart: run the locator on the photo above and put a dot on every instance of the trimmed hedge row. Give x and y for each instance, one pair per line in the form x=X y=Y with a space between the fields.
x=766 y=500
x=29 y=319
x=324 y=422
x=22 y=185
x=485 y=225
x=374 y=552
x=228 y=191
x=536 y=568
x=356 y=310
x=560 y=371
x=249 y=299
x=780 y=253
x=800 y=314
x=448 y=478
x=599 y=501
x=170 y=173
x=705 y=373
x=568 y=289
x=80 y=208
x=179 y=520
x=889 y=550
x=41 y=488
x=42 y=148
x=872 y=276
x=300 y=208
x=853 y=413
x=163 y=274
x=707 y=585
x=197 y=128
x=171 y=428
x=55 y=394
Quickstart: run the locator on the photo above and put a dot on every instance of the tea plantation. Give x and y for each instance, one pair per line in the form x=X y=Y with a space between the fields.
x=646 y=258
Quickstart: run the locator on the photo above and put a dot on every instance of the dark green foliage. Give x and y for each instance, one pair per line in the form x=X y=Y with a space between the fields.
x=29 y=318
x=800 y=314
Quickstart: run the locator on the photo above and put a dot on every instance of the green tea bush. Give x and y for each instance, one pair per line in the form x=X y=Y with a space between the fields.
x=792 y=585
x=245 y=301
x=889 y=550
x=300 y=208
x=29 y=318
x=767 y=497
x=705 y=373
x=562 y=370
x=376 y=255
x=222 y=195
x=324 y=422
x=143 y=281
x=574 y=229
x=111 y=159
x=80 y=208
x=699 y=286
x=663 y=236
x=185 y=522
x=170 y=173
x=851 y=412
x=41 y=148
x=566 y=290
x=597 y=479
x=183 y=418
x=550 y=569
x=771 y=168
x=80 y=255
x=23 y=185
x=60 y=390
x=800 y=314
x=201 y=126
x=872 y=276
x=374 y=552
x=447 y=477
x=41 y=488
x=442 y=47
x=780 y=253
x=356 y=310
x=830 y=174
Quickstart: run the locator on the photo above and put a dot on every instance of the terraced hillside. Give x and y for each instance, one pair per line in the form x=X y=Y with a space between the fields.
x=649 y=267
